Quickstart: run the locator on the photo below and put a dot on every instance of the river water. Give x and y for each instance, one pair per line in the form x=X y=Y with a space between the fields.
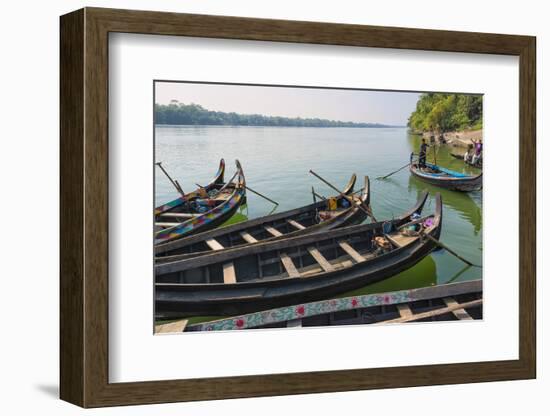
x=276 y=162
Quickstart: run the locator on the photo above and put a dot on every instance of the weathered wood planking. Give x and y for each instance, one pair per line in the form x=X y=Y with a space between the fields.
x=273 y=231
x=289 y=266
x=404 y=310
x=436 y=312
x=229 y=275
x=319 y=258
x=459 y=313
x=247 y=237
x=171 y=327
x=296 y=224
x=214 y=244
x=351 y=251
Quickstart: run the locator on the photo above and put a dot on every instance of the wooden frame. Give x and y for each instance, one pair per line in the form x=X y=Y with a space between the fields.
x=84 y=207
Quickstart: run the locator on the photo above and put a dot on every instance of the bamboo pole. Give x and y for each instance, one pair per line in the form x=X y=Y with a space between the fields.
x=259 y=194
x=440 y=244
x=175 y=183
x=388 y=175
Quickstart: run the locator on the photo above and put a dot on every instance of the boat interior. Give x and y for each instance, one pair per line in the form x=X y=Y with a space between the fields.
x=271 y=229
x=196 y=206
x=323 y=255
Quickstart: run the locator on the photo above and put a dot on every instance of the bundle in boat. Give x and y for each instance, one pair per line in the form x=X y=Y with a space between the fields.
x=294 y=270
x=202 y=211
x=446 y=178
x=449 y=302
x=342 y=210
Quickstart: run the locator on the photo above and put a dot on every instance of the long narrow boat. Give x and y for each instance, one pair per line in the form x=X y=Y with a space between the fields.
x=309 y=219
x=177 y=203
x=448 y=302
x=202 y=213
x=293 y=270
x=446 y=178
x=478 y=164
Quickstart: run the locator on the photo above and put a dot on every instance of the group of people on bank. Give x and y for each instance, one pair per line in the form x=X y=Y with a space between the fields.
x=472 y=156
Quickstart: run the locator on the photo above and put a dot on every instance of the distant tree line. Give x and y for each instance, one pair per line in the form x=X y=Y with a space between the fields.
x=177 y=113
x=447 y=112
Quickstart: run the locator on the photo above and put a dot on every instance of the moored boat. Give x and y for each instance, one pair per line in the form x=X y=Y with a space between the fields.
x=342 y=210
x=446 y=178
x=293 y=270
x=203 y=212
x=448 y=302
x=177 y=203
x=478 y=164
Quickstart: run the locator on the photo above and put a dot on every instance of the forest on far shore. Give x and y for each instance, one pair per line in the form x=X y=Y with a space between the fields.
x=441 y=113
x=177 y=113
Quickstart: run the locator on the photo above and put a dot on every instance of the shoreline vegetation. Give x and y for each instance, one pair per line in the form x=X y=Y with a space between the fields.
x=177 y=113
x=455 y=119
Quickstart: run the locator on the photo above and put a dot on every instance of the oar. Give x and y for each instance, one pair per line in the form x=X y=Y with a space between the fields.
x=367 y=211
x=319 y=196
x=313 y=194
x=175 y=183
x=435 y=156
x=259 y=194
x=440 y=244
x=389 y=174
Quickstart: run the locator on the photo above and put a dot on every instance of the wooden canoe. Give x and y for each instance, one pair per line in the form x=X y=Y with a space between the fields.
x=293 y=270
x=309 y=219
x=448 y=302
x=202 y=213
x=446 y=178
x=177 y=203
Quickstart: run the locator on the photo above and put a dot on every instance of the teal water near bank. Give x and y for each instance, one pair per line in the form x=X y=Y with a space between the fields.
x=276 y=162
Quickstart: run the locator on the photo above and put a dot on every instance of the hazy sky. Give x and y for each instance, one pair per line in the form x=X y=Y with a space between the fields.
x=344 y=105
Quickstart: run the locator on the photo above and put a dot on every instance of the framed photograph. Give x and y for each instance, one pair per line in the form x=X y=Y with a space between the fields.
x=255 y=207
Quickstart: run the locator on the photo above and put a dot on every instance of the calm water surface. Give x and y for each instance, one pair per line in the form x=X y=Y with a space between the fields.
x=276 y=162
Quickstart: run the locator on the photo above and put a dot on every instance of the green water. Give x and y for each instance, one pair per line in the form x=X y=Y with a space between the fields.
x=276 y=162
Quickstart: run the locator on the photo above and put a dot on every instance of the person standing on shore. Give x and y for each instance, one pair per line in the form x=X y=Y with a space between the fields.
x=422 y=154
x=478 y=148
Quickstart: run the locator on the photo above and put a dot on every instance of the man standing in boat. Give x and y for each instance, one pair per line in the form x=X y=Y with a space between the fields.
x=422 y=154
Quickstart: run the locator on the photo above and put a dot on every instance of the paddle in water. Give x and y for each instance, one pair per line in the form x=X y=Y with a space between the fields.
x=263 y=196
x=450 y=251
x=389 y=174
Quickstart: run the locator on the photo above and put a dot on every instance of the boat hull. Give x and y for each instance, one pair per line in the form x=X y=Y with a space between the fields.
x=466 y=184
x=231 y=236
x=174 y=299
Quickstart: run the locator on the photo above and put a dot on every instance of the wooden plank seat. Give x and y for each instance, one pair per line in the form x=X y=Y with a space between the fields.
x=295 y=224
x=400 y=240
x=404 y=310
x=214 y=244
x=171 y=327
x=460 y=313
x=273 y=231
x=229 y=275
x=350 y=251
x=289 y=266
x=247 y=237
x=319 y=258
